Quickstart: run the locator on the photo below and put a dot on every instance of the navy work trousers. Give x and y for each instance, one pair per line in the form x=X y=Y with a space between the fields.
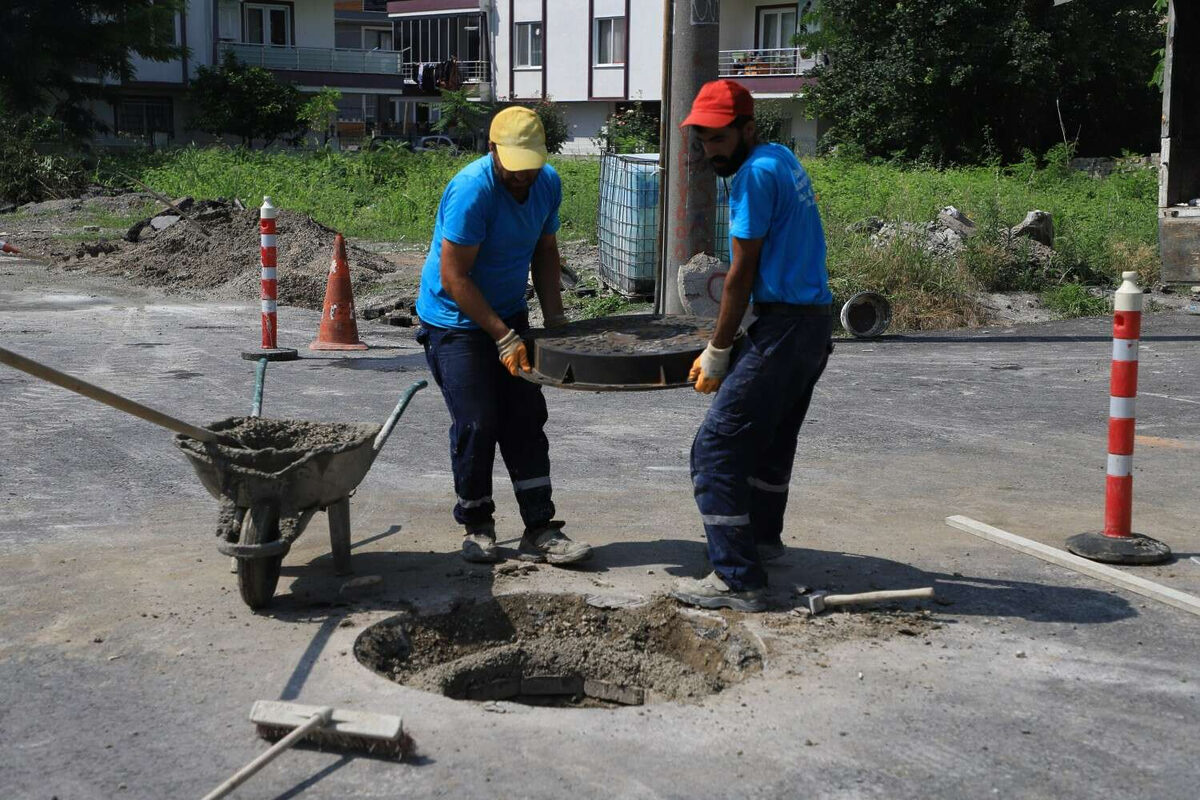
x=742 y=455
x=490 y=407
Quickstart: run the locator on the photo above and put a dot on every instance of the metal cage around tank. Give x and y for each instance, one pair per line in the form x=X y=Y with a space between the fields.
x=627 y=222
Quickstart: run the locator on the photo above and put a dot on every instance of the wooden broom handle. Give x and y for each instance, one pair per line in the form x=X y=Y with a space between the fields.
x=108 y=398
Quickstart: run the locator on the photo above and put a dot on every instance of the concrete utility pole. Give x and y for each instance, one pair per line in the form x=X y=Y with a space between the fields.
x=689 y=211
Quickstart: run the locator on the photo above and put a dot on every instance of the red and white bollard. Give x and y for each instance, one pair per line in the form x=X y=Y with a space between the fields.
x=270 y=318
x=1117 y=544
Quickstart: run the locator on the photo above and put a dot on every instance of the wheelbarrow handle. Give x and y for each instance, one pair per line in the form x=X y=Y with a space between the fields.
x=386 y=431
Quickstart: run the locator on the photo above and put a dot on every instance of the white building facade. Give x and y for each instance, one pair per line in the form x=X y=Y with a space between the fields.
x=592 y=57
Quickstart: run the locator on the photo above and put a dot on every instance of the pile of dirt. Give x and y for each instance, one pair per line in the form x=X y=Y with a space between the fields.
x=529 y=646
x=174 y=254
x=225 y=264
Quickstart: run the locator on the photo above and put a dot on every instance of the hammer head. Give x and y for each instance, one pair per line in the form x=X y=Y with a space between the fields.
x=815 y=601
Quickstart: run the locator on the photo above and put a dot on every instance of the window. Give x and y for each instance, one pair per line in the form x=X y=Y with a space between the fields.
x=229 y=20
x=377 y=39
x=268 y=24
x=145 y=116
x=610 y=41
x=164 y=30
x=528 y=36
x=776 y=27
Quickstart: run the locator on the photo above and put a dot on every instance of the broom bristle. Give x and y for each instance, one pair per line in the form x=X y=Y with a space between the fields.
x=398 y=748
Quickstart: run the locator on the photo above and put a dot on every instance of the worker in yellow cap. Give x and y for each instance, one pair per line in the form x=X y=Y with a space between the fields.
x=498 y=218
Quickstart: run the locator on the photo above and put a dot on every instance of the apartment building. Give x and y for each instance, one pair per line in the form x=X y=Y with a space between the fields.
x=591 y=56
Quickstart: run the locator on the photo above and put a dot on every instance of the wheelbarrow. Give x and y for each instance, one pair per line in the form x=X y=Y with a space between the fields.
x=270 y=488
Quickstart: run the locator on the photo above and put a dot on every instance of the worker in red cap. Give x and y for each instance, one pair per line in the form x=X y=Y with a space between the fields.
x=497 y=222
x=742 y=455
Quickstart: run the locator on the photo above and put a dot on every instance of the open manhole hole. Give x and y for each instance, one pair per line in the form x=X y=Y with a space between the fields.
x=557 y=650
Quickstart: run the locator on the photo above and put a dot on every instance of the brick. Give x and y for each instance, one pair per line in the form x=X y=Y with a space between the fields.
x=615 y=693
x=495 y=690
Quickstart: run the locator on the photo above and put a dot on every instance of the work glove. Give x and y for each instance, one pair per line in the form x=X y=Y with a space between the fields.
x=709 y=368
x=555 y=321
x=513 y=354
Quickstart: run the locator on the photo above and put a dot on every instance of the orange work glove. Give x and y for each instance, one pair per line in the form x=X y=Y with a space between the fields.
x=513 y=354
x=709 y=368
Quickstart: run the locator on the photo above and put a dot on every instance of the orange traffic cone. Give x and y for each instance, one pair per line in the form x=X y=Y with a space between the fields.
x=338 y=331
x=5 y=247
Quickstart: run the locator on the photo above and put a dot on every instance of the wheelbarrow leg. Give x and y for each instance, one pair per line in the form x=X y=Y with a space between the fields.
x=339 y=535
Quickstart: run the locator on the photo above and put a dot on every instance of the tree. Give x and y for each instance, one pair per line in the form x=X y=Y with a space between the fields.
x=554 y=121
x=320 y=110
x=967 y=80
x=52 y=52
x=458 y=113
x=244 y=101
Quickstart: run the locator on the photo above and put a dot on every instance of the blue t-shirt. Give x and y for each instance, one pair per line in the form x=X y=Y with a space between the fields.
x=476 y=209
x=772 y=199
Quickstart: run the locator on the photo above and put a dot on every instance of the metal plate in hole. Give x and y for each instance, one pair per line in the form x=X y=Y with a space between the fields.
x=623 y=353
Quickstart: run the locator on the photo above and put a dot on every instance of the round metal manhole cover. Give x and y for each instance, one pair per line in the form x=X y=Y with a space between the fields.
x=625 y=353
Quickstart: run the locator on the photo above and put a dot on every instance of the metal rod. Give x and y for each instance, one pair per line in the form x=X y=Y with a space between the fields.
x=386 y=431
x=260 y=374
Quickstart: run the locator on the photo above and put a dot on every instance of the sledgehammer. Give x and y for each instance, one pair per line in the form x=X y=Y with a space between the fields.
x=819 y=601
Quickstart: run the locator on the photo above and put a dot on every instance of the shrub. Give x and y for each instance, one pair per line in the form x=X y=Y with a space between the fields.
x=633 y=129
x=243 y=101
x=28 y=175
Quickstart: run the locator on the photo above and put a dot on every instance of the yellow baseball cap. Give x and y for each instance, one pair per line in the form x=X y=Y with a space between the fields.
x=520 y=139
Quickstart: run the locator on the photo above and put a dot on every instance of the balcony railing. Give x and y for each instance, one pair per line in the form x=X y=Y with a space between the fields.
x=751 y=63
x=329 y=59
x=317 y=59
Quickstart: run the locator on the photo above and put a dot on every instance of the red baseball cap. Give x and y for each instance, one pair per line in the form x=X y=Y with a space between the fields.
x=719 y=103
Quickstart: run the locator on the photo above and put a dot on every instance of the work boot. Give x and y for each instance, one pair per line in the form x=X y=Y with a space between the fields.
x=479 y=544
x=551 y=545
x=712 y=592
x=770 y=551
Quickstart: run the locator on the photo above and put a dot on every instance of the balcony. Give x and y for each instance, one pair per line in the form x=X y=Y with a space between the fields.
x=318 y=59
x=328 y=59
x=781 y=62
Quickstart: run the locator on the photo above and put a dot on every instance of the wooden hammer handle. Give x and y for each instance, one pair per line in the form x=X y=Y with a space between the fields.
x=108 y=398
x=872 y=597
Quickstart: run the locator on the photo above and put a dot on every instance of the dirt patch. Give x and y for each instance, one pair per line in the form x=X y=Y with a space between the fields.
x=558 y=650
x=181 y=260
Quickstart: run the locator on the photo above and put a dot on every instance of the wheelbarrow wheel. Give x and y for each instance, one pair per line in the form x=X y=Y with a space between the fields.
x=257 y=577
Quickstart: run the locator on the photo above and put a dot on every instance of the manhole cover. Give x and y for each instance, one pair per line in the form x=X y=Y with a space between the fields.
x=557 y=650
x=639 y=351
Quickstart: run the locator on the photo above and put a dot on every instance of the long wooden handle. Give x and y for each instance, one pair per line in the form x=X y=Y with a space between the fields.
x=318 y=720
x=871 y=597
x=108 y=398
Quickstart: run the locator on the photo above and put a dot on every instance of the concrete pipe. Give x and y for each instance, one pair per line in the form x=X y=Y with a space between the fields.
x=866 y=315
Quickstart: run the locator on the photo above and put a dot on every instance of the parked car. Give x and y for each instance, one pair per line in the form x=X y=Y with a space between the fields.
x=442 y=144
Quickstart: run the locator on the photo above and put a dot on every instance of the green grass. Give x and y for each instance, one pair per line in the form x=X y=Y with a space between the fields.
x=1102 y=226
x=1073 y=300
x=384 y=195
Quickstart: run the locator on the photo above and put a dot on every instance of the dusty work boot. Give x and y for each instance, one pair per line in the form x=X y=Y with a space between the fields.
x=712 y=592
x=479 y=544
x=551 y=545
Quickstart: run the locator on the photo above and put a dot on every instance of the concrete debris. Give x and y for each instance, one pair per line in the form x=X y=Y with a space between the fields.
x=700 y=283
x=163 y=221
x=950 y=217
x=1037 y=225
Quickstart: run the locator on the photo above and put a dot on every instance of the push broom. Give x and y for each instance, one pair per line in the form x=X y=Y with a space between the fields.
x=379 y=735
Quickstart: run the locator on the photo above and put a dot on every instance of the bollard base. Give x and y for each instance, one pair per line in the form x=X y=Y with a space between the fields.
x=1132 y=549
x=271 y=354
